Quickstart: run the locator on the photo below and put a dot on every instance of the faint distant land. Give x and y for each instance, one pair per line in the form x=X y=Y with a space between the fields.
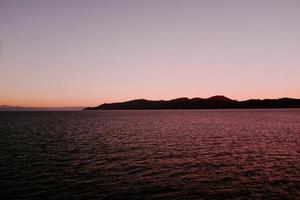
x=215 y=102
x=20 y=108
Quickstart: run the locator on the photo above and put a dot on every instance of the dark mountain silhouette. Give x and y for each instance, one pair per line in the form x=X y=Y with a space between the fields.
x=215 y=102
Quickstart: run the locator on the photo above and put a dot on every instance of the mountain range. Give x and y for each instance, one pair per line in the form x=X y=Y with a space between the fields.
x=214 y=102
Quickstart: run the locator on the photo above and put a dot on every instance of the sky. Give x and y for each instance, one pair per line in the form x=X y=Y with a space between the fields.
x=86 y=52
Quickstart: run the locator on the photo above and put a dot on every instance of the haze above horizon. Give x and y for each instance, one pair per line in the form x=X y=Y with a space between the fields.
x=84 y=53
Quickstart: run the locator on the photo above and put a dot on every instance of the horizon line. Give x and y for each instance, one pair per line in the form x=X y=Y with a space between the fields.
x=20 y=106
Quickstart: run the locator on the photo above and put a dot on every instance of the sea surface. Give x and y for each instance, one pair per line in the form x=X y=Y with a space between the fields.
x=170 y=154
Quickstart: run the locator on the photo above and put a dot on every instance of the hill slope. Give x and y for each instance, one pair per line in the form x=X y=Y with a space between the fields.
x=215 y=102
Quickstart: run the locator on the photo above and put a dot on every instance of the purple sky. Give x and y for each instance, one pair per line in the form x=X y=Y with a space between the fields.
x=72 y=53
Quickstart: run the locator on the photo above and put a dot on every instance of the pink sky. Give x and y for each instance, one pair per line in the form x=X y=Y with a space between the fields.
x=84 y=53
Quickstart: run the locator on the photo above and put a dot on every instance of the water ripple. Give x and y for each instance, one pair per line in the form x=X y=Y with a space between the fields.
x=207 y=154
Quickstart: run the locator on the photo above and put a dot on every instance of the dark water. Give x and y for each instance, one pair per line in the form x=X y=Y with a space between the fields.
x=206 y=154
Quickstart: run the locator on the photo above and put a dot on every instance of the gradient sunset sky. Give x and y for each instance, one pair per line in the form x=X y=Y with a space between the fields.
x=85 y=52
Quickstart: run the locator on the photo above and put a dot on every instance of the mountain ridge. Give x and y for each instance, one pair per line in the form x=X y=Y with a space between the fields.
x=214 y=102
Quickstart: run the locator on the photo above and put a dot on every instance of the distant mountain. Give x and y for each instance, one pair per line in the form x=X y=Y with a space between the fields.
x=215 y=102
x=20 y=108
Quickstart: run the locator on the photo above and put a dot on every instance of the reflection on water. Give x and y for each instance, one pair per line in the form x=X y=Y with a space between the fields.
x=208 y=154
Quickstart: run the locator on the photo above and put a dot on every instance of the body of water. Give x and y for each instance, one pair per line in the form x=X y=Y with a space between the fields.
x=192 y=154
